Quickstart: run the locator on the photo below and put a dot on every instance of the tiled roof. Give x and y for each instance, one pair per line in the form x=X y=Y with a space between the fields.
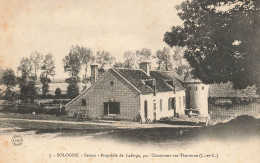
x=138 y=77
x=162 y=76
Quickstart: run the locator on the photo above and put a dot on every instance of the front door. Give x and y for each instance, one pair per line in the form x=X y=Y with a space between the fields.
x=145 y=109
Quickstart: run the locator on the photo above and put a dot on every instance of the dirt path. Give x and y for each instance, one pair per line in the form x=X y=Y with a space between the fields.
x=116 y=124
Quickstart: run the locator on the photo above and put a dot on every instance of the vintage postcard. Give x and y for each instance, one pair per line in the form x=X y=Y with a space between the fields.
x=129 y=81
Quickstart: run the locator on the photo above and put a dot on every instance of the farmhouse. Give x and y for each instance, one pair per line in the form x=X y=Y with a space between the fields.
x=139 y=94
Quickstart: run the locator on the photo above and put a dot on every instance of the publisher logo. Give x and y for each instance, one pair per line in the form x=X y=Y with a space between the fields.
x=17 y=140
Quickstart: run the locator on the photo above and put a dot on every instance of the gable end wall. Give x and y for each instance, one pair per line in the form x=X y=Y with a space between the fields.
x=102 y=92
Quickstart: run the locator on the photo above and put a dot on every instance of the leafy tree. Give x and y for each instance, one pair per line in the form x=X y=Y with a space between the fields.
x=73 y=88
x=48 y=70
x=72 y=65
x=181 y=66
x=119 y=65
x=144 y=55
x=130 y=60
x=27 y=80
x=87 y=57
x=1 y=74
x=36 y=59
x=105 y=59
x=58 y=92
x=9 y=80
x=221 y=39
x=164 y=60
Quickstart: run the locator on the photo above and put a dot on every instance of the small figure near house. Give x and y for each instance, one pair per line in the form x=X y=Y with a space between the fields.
x=190 y=112
x=208 y=119
x=139 y=118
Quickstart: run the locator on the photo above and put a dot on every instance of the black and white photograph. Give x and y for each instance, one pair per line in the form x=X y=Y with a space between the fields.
x=129 y=81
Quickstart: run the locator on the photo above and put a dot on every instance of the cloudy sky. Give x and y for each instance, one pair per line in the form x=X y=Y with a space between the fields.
x=53 y=26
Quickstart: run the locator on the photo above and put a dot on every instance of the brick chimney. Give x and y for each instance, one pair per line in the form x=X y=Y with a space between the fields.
x=94 y=73
x=146 y=66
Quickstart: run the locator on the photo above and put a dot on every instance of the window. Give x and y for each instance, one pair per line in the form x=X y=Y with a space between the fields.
x=202 y=88
x=172 y=103
x=160 y=104
x=154 y=109
x=154 y=104
x=196 y=88
x=83 y=102
x=111 y=83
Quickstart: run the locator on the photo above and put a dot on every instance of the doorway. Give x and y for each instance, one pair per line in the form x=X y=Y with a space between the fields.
x=111 y=108
x=145 y=109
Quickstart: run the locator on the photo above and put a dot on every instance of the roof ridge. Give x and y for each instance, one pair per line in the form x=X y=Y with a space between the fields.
x=128 y=69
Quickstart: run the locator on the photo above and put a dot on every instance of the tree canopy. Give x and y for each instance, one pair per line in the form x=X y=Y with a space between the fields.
x=72 y=65
x=105 y=59
x=164 y=60
x=48 y=71
x=221 y=38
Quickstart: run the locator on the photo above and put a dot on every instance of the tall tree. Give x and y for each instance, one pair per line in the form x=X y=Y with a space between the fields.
x=221 y=39
x=27 y=84
x=105 y=59
x=48 y=71
x=36 y=59
x=130 y=60
x=87 y=57
x=181 y=66
x=144 y=55
x=72 y=65
x=9 y=80
x=119 y=65
x=1 y=74
x=164 y=59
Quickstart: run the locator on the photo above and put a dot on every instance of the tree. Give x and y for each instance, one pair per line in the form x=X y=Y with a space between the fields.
x=9 y=80
x=72 y=65
x=48 y=70
x=221 y=39
x=105 y=59
x=36 y=61
x=86 y=56
x=27 y=80
x=119 y=65
x=130 y=60
x=144 y=55
x=58 y=92
x=164 y=59
x=181 y=66
x=1 y=75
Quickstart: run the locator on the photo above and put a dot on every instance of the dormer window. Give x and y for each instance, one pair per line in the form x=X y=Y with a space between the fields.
x=152 y=84
x=171 y=83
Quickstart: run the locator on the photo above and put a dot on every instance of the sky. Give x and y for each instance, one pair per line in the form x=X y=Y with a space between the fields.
x=54 y=26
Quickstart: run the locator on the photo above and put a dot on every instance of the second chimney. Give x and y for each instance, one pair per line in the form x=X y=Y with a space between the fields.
x=146 y=66
x=94 y=73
